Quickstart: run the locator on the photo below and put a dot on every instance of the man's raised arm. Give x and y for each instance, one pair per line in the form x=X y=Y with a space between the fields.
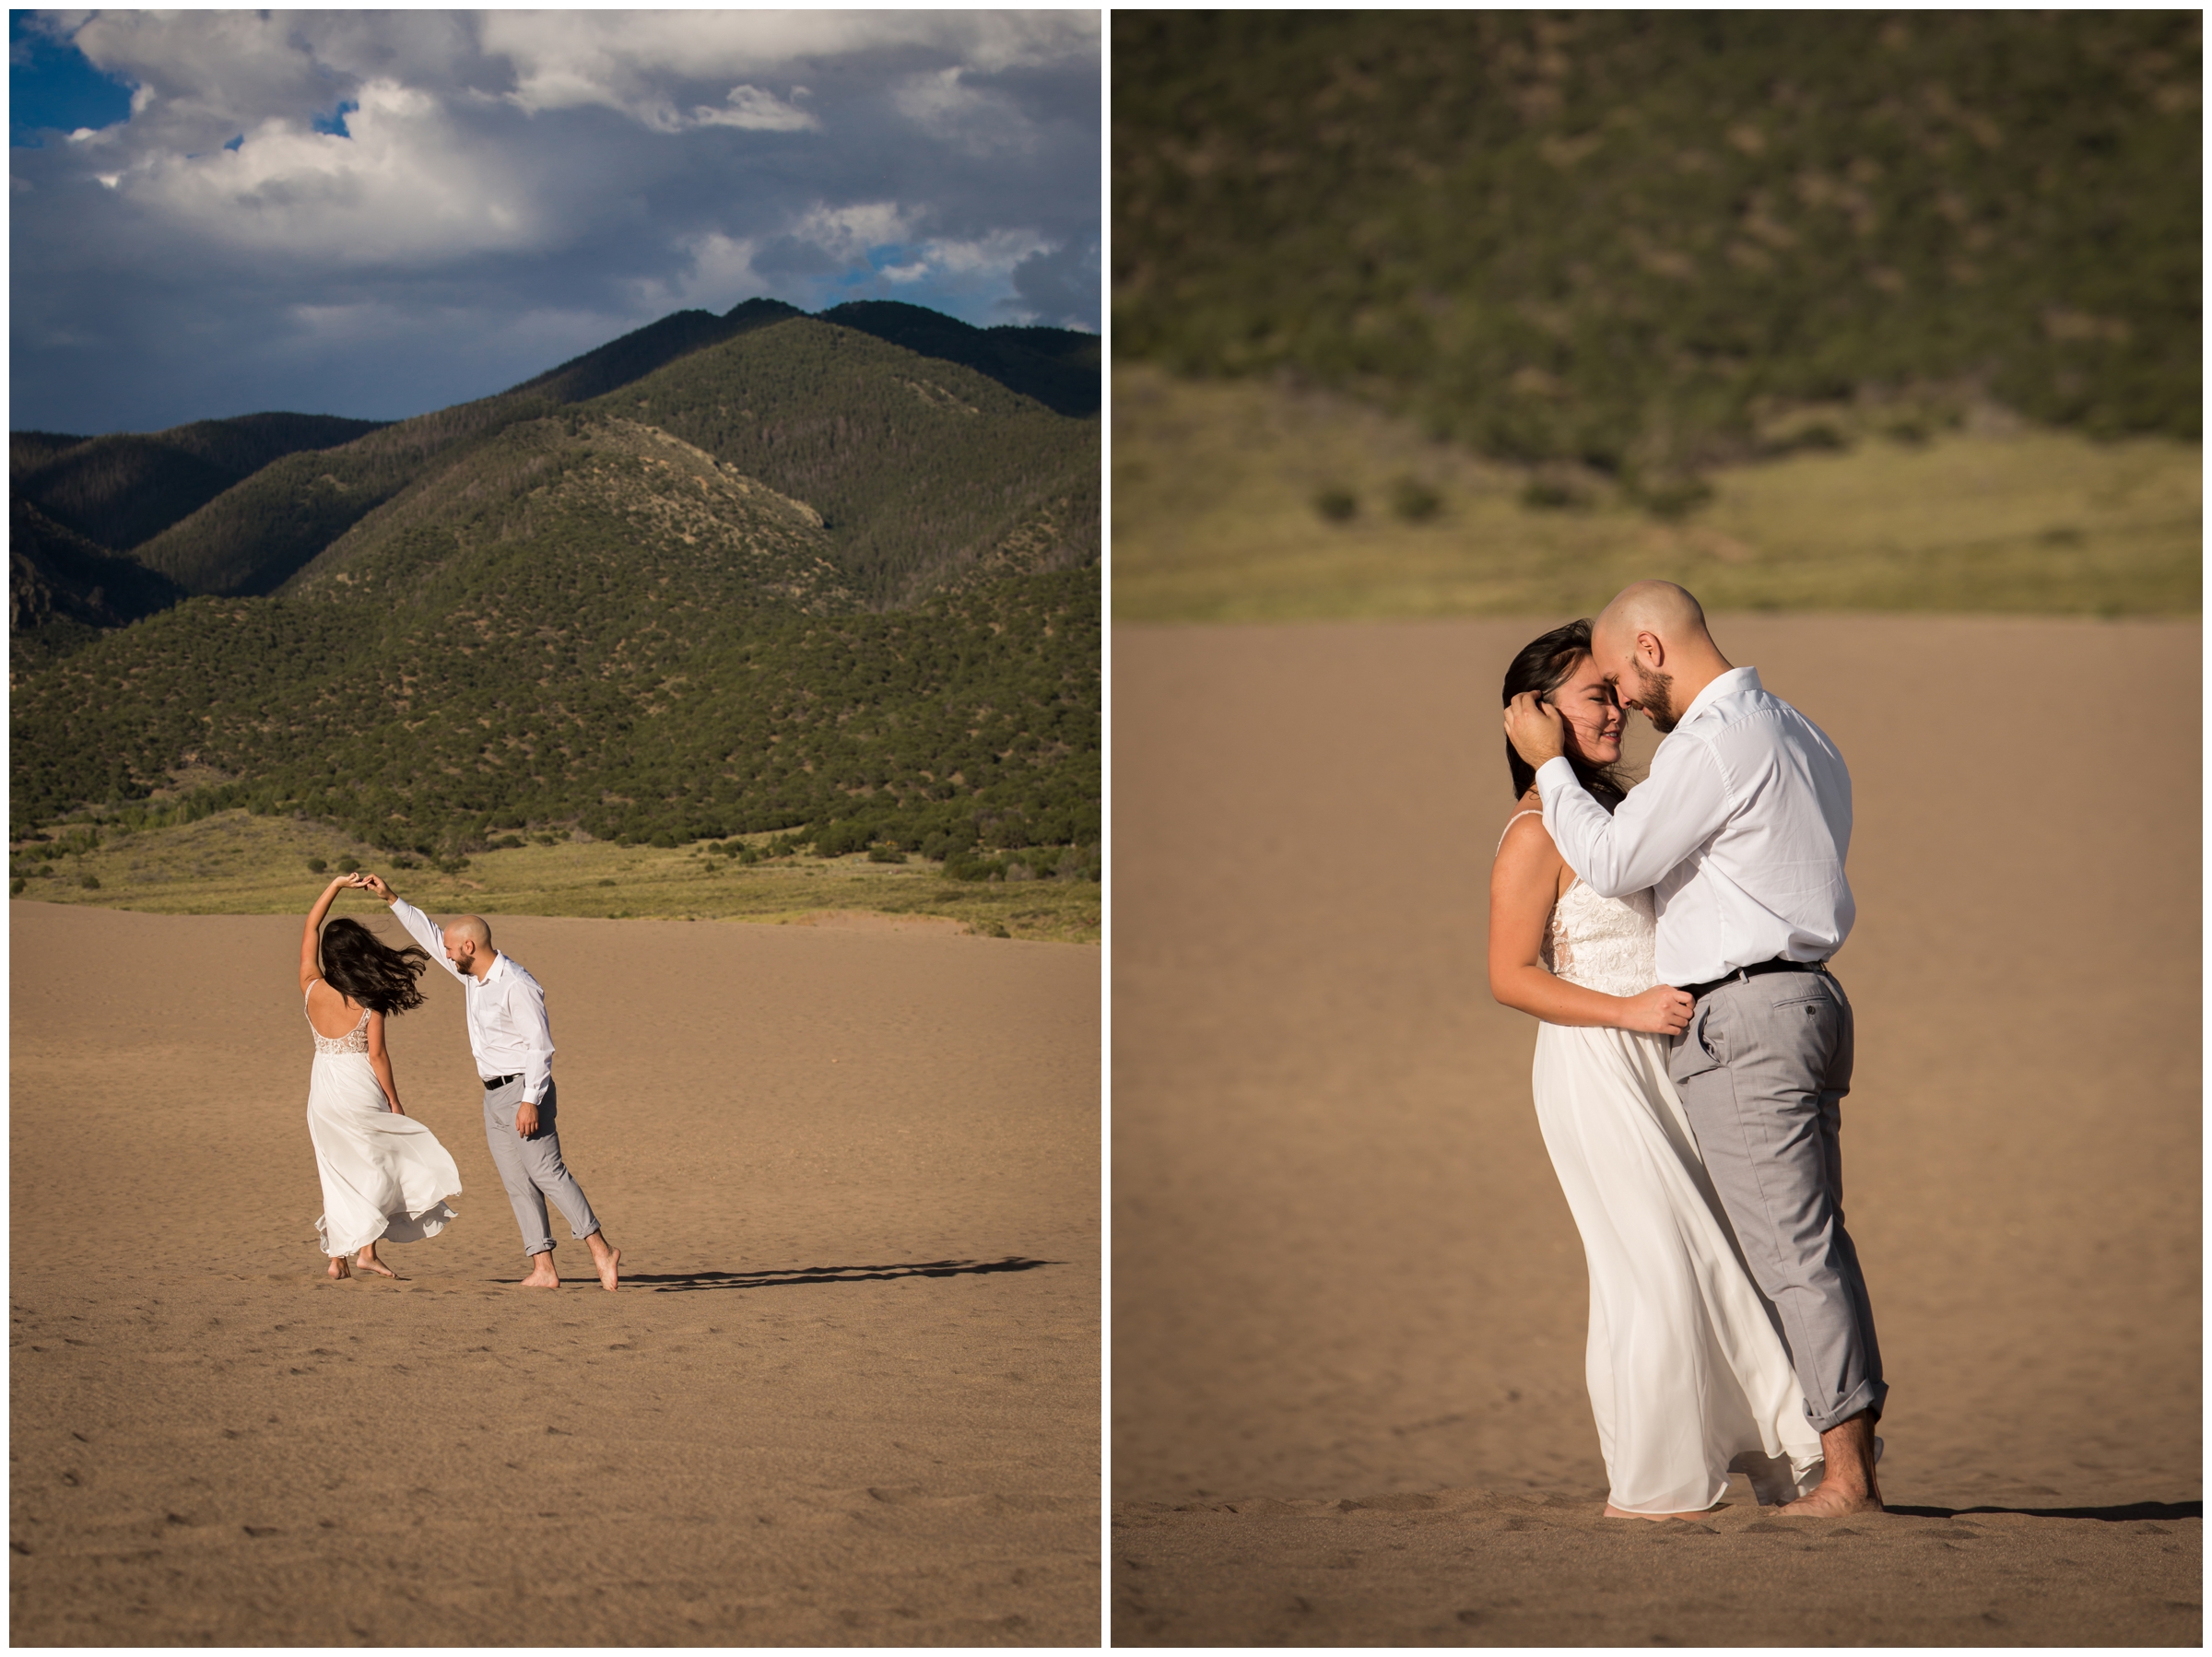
x=1658 y=826
x=417 y=924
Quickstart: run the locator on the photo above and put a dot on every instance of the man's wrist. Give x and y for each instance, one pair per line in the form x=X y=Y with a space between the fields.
x=1557 y=770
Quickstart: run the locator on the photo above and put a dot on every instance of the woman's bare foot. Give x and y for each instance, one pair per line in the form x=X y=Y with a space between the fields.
x=542 y=1274
x=608 y=1259
x=338 y=1268
x=368 y=1261
x=1614 y=1513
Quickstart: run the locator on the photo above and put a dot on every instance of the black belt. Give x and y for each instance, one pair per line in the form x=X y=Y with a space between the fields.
x=1698 y=992
x=500 y=1081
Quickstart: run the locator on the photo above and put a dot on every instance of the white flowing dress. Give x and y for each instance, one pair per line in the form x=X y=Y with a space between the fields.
x=1689 y=1377
x=385 y=1177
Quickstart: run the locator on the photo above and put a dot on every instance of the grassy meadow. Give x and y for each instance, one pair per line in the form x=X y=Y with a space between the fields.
x=234 y=863
x=1251 y=500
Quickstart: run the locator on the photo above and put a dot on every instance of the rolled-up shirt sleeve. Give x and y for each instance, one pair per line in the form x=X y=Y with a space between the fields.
x=526 y=1016
x=418 y=927
x=1677 y=808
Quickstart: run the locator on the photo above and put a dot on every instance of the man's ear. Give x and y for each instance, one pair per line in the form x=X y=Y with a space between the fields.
x=1652 y=648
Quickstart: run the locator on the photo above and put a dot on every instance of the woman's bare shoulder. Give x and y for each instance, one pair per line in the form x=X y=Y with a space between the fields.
x=1524 y=832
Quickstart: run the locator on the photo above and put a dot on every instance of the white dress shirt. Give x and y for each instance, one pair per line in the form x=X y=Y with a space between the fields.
x=1740 y=831
x=507 y=1027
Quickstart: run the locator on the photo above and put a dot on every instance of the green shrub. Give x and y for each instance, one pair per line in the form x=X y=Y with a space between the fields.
x=1336 y=503
x=90 y=882
x=350 y=865
x=886 y=854
x=1673 y=498
x=1550 y=494
x=315 y=866
x=1414 y=501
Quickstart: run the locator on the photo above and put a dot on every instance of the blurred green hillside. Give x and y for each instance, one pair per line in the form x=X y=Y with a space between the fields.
x=1649 y=244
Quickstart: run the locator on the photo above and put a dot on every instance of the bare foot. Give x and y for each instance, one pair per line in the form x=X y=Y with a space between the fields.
x=1848 y=1452
x=1613 y=1512
x=338 y=1268
x=542 y=1274
x=368 y=1261
x=608 y=1259
x=1831 y=1500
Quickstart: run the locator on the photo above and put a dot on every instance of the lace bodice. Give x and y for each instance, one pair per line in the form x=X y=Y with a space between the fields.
x=1603 y=944
x=354 y=1040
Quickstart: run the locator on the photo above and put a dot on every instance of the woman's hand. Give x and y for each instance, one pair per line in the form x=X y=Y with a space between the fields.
x=1661 y=1010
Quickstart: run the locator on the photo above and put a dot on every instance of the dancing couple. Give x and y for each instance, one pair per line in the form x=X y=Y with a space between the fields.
x=385 y=1177
x=1692 y=1056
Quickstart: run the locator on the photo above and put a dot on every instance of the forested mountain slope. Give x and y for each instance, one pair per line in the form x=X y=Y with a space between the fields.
x=919 y=462
x=1636 y=239
x=120 y=490
x=795 y=579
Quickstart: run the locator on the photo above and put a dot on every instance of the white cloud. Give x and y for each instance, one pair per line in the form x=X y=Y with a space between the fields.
x=591 y=170
x=852 y=232
x=399 y=189
x=562 y=60
x=758 y=111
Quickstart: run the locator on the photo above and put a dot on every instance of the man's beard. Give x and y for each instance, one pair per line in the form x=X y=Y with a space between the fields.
x=1655 y=694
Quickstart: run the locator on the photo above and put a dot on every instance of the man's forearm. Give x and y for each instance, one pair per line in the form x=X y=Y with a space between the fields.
x=1636 y=846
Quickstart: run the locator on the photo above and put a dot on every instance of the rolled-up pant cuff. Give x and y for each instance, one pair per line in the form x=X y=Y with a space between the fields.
x=1868 y=1396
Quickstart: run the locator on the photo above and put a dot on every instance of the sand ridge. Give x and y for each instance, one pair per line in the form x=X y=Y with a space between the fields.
x=849 y=1397
x=1343 y=1266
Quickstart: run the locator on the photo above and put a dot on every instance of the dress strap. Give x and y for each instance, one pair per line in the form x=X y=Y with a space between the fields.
x=1509 y=826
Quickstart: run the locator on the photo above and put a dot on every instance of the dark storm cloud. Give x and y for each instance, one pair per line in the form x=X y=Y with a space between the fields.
x=379 y=214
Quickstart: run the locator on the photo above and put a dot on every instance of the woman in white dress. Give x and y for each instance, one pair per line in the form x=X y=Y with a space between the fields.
x=385 y=1177
x=1689 y=1377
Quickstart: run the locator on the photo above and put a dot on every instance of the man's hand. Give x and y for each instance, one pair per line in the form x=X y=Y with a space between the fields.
x=375 y=883
x=1535 y=728
x=526 y=1120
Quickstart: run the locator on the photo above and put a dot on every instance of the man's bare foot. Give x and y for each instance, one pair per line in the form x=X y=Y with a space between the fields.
x=542 y=1274
x=1849 y=1452
x=1614 y=1513
x=338 y=1268
x=1831 y=1502
x=368 y=1261
x=608 y=1259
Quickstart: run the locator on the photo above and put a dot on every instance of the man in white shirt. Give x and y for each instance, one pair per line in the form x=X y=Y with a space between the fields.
x=513 y=1043
x=1740 y=833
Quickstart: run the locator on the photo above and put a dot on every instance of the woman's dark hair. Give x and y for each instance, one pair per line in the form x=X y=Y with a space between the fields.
x=1545 y=664
x=363 y=967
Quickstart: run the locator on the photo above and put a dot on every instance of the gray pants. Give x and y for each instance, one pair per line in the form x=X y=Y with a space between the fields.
x=1762 y=1071
x=532 y=1169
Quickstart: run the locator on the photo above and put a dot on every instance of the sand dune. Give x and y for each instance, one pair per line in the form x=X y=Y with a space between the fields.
x=849 y=1397
x=1344 y=1273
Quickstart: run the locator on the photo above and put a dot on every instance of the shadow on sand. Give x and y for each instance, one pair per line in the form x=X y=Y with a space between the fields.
x=2131 y=1513
x=672 y=1282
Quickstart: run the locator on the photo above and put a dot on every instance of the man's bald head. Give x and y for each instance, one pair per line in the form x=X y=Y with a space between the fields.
x=1657 y=607
x=1651 y=644
x=468 y=944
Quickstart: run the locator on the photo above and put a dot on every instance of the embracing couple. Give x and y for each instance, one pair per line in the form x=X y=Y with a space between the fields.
x=385 y=1177
x=1692 y=1056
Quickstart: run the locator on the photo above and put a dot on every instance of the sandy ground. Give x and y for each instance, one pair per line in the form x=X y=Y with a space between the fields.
x=850 y=1396
x=1350 y=1301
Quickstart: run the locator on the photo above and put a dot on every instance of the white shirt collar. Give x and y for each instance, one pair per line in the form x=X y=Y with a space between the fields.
x=1728 y=684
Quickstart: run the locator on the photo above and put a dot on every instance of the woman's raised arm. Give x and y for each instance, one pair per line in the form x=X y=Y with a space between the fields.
x=310 y=962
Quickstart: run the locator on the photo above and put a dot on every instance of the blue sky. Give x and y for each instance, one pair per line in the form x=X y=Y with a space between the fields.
x=378 y=214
